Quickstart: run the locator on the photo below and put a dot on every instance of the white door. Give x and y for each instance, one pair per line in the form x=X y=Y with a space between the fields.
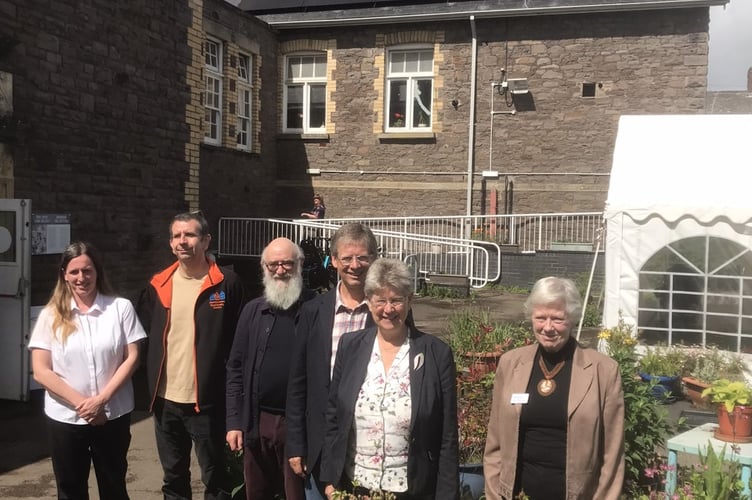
x=15 y=289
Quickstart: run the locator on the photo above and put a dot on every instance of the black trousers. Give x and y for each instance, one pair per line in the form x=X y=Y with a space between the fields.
x=75 y=447
x=177 y=427
x=265 y=467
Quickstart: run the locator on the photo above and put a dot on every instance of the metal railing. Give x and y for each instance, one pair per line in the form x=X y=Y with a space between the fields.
x=479 y=260
x=468 y=246
x=528 y=232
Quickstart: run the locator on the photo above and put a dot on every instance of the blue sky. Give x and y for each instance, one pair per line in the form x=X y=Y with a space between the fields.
x=730 y=45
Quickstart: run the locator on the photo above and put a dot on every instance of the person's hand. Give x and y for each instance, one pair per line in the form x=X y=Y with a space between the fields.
x=99 y=419
x=235 y=440
x=329 y=491
x=297 y=465
x=89 y=408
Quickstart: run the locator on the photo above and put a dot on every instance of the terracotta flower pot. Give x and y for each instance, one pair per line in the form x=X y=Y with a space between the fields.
x=735 y=427
x=694 y=387
x=481 y=363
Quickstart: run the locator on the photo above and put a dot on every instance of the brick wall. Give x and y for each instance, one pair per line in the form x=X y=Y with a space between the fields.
x=109 y=99
x=640 y=62
x=523 y=270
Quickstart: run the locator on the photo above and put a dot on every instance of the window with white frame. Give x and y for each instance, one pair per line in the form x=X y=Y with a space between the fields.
x=697 y=291
x=409 y=90
x=305 y=93
x=213 y=91
x=245 y=98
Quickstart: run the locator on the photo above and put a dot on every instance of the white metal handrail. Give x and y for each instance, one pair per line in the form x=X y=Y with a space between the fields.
x=479 y=260
x=528 y=232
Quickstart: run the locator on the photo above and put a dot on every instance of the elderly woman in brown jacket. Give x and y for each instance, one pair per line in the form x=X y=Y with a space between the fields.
x=556 y=430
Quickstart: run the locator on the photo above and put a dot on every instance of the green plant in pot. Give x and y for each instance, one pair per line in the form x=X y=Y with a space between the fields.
x=662 y=367
x=703 y=366
x=734 y=400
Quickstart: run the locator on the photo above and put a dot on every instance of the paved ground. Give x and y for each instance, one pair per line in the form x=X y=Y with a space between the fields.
x=25 y=468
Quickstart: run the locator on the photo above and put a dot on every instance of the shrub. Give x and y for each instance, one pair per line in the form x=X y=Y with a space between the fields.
x=646 y=424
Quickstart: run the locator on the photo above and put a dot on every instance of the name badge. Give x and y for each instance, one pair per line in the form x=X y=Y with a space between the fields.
x=520 y=398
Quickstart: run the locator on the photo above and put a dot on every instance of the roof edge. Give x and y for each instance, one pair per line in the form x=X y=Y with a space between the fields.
x=355 y=17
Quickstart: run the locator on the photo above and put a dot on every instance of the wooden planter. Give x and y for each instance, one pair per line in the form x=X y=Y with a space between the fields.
x=735 y=427
x=481 y=363
x=693 y=388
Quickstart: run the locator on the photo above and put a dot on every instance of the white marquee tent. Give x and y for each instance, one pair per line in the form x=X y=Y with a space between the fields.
x=676 y=177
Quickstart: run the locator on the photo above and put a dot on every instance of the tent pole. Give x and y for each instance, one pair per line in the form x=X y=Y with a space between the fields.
x=598 y=239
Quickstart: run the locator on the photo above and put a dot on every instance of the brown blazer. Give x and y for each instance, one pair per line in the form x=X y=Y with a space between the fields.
x=595 y=432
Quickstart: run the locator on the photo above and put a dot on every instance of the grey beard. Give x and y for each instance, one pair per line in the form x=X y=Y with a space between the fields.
x=282 y=294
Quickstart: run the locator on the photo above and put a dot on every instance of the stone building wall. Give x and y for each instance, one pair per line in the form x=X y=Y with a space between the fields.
x=109 y=100
x=554 y=154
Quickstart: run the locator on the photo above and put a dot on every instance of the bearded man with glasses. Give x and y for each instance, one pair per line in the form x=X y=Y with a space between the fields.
x=257 y=373
x=321 y=323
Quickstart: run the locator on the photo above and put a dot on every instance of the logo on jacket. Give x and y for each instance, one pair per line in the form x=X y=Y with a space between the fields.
x=217 y=300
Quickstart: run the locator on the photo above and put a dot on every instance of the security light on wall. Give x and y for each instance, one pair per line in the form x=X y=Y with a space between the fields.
x=518 y=85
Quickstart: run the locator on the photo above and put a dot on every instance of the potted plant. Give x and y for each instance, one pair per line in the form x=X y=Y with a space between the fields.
x=703 y=366
x=478 y=342
x=734 y=399
x=662 y=367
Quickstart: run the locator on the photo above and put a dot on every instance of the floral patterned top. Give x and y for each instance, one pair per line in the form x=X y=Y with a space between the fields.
x=380 y=435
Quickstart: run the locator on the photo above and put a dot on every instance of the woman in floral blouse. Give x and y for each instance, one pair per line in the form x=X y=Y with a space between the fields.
x=392 y=411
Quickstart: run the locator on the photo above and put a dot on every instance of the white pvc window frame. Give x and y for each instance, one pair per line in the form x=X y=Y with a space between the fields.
x=409 y=89
x=213 y=90
x=304 y=99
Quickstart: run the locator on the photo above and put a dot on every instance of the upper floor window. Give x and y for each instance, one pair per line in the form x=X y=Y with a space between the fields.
x=305 y=93
x=213 y=91
x=409 y=90
x=245 y=101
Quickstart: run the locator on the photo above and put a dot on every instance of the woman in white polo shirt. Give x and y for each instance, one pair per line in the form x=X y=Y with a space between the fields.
x=84 y=349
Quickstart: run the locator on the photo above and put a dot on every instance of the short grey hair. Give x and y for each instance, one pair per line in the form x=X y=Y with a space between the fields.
x=354 y=232
x=550 y=290
x=388 y=273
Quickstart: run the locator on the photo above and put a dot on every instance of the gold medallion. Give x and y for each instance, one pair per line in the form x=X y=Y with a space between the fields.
x=546 y=387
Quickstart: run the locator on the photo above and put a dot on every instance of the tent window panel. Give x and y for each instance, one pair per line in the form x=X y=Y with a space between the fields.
x=652 y=317
x=692 y=249
x=746 y=345
x=740 y=266
x=723 y=285
x=653 y=336
x=747 y=287
x=686 y=302
x=747 y=311
x=686 y=320
x=726 y=305
x=721 y=250
x=720 y=323
x=724 y=342
x=684 y=337
x=662 y=260
x=649 y=281
x=649 y=300
x=747 y=325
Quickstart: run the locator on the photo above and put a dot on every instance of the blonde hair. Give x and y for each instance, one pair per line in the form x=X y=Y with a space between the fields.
x=60 y=300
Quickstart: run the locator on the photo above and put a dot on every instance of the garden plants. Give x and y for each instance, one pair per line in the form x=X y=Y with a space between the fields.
x=646 y=424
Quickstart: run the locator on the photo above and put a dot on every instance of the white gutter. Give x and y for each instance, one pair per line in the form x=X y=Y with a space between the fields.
x=471 y=122
x=345 y=18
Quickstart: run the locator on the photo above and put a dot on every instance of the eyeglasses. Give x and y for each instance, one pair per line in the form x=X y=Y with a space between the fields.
x=396 y=302
x=285 y=264
x=363 y=260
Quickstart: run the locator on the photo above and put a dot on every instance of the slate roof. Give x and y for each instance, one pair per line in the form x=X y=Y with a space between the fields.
x=319 y=13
